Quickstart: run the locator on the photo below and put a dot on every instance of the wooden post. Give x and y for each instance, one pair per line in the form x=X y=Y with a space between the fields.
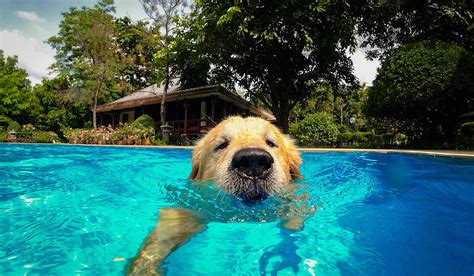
x=186 y=104
x=213 y=108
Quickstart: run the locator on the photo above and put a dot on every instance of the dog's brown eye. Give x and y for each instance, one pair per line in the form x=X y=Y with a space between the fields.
x=271 y=144
x=222 y=146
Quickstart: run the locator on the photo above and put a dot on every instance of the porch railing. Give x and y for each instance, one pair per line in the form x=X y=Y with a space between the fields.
x=194 y=126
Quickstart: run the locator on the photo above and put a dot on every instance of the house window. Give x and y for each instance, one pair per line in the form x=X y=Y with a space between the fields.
x=127 y=117
x=203 y=113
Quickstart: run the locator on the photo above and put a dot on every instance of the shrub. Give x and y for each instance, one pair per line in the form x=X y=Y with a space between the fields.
x=3 y=136
x=316 y=129
x=467 y=129
x=465 y=140
x=359 y=138
x=158 y=142
x=45 y=137
x=24 y=135
x=144 y=121
x=124 y=135
x=13 y=125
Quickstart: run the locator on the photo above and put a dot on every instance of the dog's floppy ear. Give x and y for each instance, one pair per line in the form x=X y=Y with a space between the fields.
x=295 y=162
x=294 y=159
x=195 y=170
x=197 y=161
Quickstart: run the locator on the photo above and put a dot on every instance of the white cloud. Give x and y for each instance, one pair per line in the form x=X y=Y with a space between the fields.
x=33 y=56
x=365 y=70
x=30 y=16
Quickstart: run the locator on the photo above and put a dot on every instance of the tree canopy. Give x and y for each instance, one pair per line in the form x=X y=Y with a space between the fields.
x=15 y=90
x=277 y=51
x=386 y=25
x=423 y=87
x=87 y=53
x=138 y=43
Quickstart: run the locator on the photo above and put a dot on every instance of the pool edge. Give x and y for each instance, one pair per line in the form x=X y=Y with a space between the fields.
x=444 y=153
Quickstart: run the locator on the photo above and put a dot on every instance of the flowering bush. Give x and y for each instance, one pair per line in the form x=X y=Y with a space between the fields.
x=123 y=135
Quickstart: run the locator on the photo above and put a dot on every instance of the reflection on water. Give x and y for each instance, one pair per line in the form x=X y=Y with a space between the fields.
x=71 y=209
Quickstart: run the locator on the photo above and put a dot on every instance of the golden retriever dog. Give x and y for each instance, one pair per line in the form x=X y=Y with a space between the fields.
x=246 y=158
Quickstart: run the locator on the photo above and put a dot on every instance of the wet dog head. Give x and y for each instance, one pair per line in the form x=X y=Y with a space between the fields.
x=248 y=158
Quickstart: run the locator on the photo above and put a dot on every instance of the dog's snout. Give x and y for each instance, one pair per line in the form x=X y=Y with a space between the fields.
x=252 y=162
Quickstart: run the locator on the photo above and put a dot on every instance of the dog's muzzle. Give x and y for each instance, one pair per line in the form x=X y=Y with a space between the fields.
x=253 y=165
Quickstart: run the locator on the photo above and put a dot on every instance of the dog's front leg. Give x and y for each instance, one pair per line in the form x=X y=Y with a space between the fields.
x=175 y=227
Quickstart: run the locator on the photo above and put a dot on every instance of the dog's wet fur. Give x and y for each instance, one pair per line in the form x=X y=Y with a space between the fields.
x=247 y=158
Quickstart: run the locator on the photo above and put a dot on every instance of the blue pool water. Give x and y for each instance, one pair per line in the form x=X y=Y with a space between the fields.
x=75 y=209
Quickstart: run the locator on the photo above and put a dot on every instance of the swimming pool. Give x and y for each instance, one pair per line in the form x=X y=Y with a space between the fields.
x=79 y=209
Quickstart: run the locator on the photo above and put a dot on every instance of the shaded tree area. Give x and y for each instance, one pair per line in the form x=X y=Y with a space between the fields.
x=386 y=25
x=165 y=15
x=99 y=58
x=292 y=58
x=54 y=111
x=422 y=89
x=137 y=42
x=15 y=90
x=278 y=52
x=87 y=54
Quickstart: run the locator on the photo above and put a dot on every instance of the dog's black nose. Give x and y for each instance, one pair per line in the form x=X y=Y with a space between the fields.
x=252 y=162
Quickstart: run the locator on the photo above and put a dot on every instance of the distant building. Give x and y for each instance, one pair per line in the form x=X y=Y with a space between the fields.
x=191 y=111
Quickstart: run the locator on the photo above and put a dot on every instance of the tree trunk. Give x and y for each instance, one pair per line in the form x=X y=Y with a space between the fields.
x=163 y=101
x=94 y=110
x=167 y=76
x=282 y=117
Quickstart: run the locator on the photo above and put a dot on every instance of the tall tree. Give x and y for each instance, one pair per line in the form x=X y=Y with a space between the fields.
x=422 y=88
x=15 y=90
x=165 y=14
x=87 y=53
x=386 y=25
x=277 y=51
x=138 y=44
x=53 y=112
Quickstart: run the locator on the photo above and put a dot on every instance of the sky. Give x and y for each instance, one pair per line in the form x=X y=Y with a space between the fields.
x=25 y=25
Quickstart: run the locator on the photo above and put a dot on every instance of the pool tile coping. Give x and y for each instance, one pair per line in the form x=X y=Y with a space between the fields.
x=446 y=153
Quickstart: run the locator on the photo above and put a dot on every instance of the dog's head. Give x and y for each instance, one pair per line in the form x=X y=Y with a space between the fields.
x=248 y=158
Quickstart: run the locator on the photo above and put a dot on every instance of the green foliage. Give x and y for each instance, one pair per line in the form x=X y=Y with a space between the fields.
x=3 y=136
x=179 y=140
x=316 y=130
x=422 y=88
x=88 y=54
x=138 y=43
x=13 y=126
x=158 y=142
x=467 y=128
x=342 y=102
x=144 y=121
x=15 y=91
x=124 y=135
x=387 y=24
x=165 y=16
x=30 y=135
x=8 y=124
x=53 y=112
x=277 y=52
x=45 y=137
x=466 y=136
x=359 y=139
